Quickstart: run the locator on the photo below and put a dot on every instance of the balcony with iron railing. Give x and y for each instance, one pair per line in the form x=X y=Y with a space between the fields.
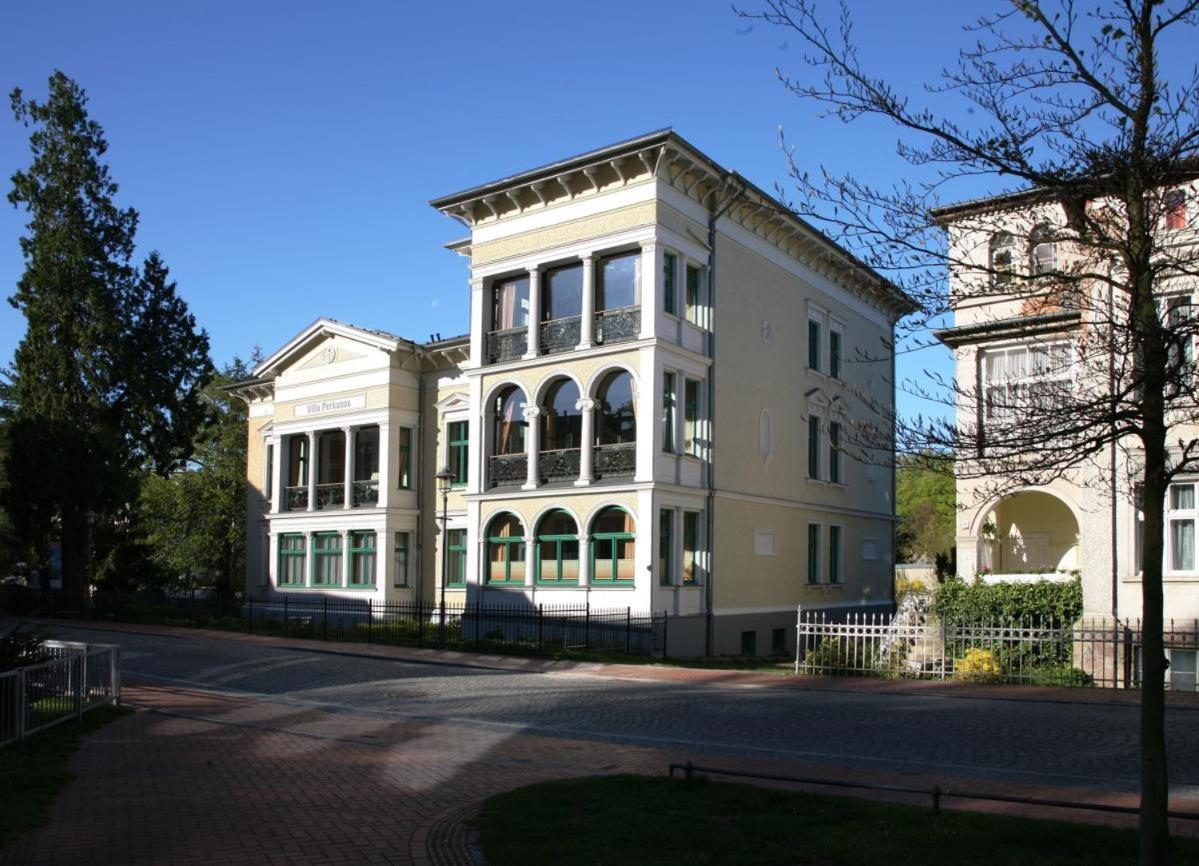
x=295 y=498
x=507 y=470
x=617 y=326
x=507 y=345
x=330 y=495
x=365 y=493
x=560 y=465
x=561 y=335
x=615 y=461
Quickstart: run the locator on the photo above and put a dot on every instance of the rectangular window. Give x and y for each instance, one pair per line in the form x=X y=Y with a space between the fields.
x=456 y=557
x=670 y=295
x=362 y=558
x=666 y=547
x=694 y=310
x=813 y=344
x=269 y=481
x=510 y=304
x=293 y=557
x=690 y=548
x=1176 y=209
x=404 y=470
x=1180 y=518
x=813 y=553
x=834 y=354
x=1020 y=377
x=834 y=554
x=619 y=282
x=691 y=417
x=668 y=412
x=834 y=452
x=813 y=447
x=401 y=560
x=457 y=448
x=326 y=566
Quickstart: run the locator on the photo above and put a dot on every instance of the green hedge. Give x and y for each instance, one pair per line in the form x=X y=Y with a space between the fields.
x=1043 y=603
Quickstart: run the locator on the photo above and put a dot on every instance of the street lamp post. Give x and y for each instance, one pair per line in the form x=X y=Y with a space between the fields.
x=445 y=480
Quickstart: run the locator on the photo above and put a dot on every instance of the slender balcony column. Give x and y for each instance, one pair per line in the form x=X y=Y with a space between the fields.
x=278 y=494
x=530 y=560
x=584 y=560
x=587 y=331
x=533 y=447
x=587 y=452
x=533 y=349
x=348 y=495
x=651 y=289
x=313 y=469
x=386 y=483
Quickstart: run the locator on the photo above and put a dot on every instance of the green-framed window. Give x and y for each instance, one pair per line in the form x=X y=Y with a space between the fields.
x=401 y=553
x=813 y=553
x=834 y=452
x=505 y=551
x=668 y=380
x=666 y=547
x=326 y=559
x=456 y=557
x=694 y=295
x=457 y=448
x=834 y=554
x=691 y=400
x=613 y=548
x=404 y=470
x=690 y=548
x=670 y=299
x=813 y=446
x=293 y=559
x=834 y=353
x=557 y=550
x=813 y=344
x=362 y=557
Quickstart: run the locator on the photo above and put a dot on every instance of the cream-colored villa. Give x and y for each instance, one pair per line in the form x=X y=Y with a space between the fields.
x=1010 y=343
x=654 y=409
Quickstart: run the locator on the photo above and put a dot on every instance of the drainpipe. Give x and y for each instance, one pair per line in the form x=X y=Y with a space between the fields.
x=714 y=214
x=894 y=469
x=1111 y=389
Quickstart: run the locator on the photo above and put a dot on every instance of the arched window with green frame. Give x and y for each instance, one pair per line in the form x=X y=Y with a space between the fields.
x=505 y=551
x=613 y=548
x=557 y=550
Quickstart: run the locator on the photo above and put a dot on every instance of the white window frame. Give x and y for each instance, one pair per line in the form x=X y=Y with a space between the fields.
x=1031 y=374
x=1174 y=515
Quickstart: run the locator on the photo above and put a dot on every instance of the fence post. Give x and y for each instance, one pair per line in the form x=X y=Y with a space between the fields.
x=798 y=628
x=325 y=620
x=540 y=629
x=114 y=656
x=665 y=633
x=285 y=617
x=628 y=630
x=587 y=626
x=77 y=663
x=19 y=704
x=370 y=618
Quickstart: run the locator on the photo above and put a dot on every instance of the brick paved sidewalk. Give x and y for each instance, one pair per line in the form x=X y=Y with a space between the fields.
x=653 y=672
x=201 y=777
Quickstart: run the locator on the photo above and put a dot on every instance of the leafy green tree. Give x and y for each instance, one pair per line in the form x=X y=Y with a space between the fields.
x=194 y=519
x=105 y=382
x=925 y=504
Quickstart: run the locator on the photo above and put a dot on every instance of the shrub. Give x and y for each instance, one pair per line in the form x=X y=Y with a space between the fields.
x=837 y=656
x=979 y=665
x=22 y=646
x=1044 y=603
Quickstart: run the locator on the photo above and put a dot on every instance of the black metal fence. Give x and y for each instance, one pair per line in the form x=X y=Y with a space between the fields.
x=513 y=629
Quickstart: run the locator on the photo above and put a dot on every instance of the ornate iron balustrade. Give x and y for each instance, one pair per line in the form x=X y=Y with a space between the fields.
x=558 y=465
x=615 y=461
x=508 y=469
x=330 y=495
x=507 y=345
x=559 y=335
x=617 y=326
x=366 y=493
x=295 y=498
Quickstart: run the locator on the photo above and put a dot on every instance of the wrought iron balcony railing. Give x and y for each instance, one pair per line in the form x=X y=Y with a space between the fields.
x=559 y=465
x=507 y=345
x=615 y=461
x=560 y=335
x=295 y=498
x=366 y=493
x=617 y=326
x=330 y=495
x=505 y=470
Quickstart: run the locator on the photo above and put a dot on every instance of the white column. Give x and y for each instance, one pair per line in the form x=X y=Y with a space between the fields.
x=478 y=327
x=386 y=482
x=533 y=349
x=313 y=470
x=587 y=453
x=649 y=414
x=651 y=288
x=533 y=445
x=278 y=494
x=530 y=557
x=587 y=332
x=348 y=482
x=584 y=558
x=345 y=557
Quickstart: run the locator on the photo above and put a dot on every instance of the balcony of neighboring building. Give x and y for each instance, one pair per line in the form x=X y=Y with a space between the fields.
x=594 y=301
x=330 y=469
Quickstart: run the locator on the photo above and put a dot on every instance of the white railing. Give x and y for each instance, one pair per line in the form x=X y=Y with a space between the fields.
x=75 y=678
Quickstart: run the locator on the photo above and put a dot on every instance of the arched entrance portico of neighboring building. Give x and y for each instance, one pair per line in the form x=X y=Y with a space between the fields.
x=1027 y=533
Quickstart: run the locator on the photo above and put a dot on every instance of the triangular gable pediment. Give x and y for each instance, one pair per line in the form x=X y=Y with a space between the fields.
x=455 y=402
x=324 y=342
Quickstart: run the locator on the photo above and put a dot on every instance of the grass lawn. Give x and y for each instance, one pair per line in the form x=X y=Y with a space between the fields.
x=637 y=819
x=33 y=770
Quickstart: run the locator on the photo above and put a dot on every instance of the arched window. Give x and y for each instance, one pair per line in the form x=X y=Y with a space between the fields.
x=617 y=409
x=613 y=547
x=505 y=551
x=1042 y=251
x=561 y=420
x=1002 y=256
x=558 y=549
x=510 y=421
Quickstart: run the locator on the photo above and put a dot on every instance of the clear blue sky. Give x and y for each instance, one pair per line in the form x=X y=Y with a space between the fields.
x=281 y=155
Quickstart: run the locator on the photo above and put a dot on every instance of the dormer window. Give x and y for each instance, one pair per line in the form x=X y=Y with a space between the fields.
x=1002 y=257
x=1042 y=251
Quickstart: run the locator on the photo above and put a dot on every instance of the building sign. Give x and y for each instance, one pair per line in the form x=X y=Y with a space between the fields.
x=324 y=407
